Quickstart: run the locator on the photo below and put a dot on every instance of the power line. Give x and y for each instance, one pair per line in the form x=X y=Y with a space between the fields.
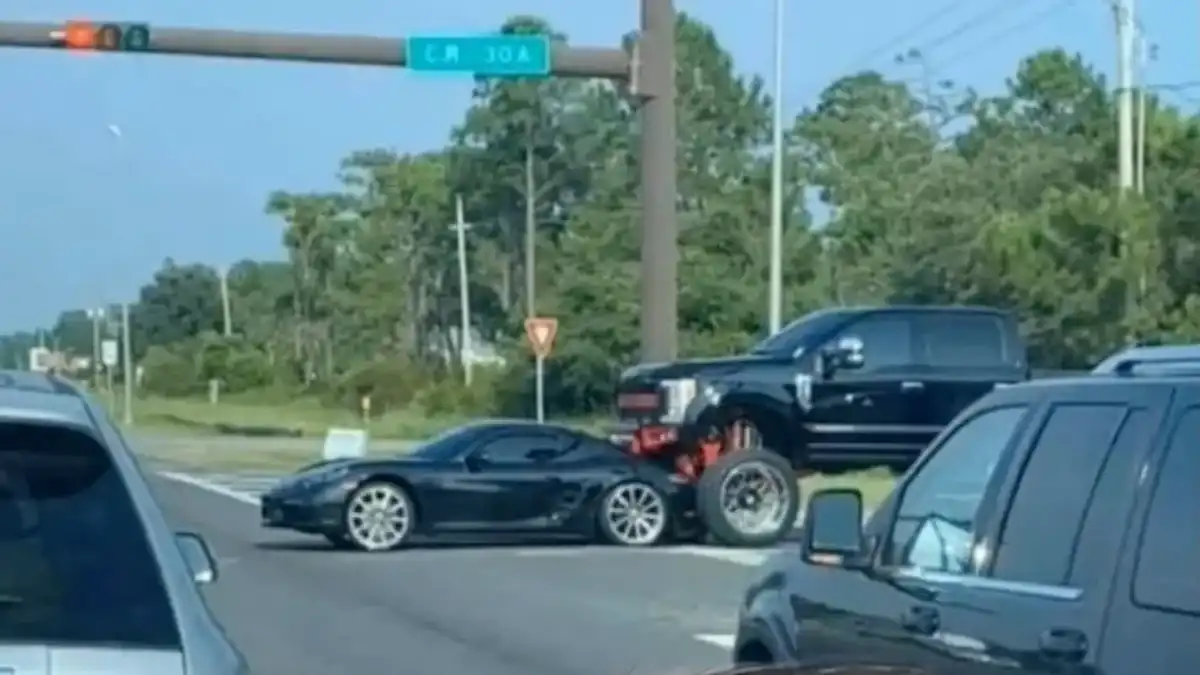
x=988 y=13
x=999 y=36
x=899 y=39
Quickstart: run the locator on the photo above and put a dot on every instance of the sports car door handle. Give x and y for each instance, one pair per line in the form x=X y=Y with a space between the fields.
x=912 y=386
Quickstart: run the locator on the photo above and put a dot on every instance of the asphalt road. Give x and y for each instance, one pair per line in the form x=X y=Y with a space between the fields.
x=295 y=606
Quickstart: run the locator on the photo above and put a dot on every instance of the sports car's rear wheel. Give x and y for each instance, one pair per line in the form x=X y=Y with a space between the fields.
x=748 y=498
x=378 y=516
x=634 y=514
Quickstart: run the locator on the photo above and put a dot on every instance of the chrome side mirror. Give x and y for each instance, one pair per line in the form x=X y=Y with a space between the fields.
x=198 y=557
x=850 y=352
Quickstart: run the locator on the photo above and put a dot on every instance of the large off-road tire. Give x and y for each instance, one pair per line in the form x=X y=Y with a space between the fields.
x=634 y=513
x=748 y=498
x=378 y=516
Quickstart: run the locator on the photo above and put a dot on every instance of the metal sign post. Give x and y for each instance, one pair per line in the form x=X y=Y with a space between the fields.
x=540 y=331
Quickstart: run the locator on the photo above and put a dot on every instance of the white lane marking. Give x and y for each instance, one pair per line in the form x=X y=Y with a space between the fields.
x=722 y=640
x=209 y=486
x=735 y=556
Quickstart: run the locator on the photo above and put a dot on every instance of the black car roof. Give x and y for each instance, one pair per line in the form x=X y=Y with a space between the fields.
x=502 y=423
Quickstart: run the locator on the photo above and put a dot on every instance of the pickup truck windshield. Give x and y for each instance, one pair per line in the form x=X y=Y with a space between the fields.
x=802 y=332
x=75 y=564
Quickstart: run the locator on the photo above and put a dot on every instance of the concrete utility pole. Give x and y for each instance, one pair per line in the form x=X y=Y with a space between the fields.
x=127 y=363
x=1140 y=154
x=464 y=290
x=776 y=281
x=95 y=315
x=1124 y=10
x=651 y=75
x=226 y=310
x=530 y=230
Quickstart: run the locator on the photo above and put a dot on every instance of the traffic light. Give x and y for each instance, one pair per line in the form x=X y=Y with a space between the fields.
x=109 y=37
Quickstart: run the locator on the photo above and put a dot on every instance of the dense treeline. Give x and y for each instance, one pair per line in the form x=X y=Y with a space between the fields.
x=925 y=194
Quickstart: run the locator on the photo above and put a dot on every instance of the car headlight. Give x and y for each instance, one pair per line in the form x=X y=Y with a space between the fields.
x=677 y=395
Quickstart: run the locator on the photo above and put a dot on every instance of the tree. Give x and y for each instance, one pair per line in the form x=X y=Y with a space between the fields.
x=896 y=192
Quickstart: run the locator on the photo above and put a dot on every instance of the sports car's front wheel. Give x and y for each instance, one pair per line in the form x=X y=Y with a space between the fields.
x=378 y=516
x=634 y=514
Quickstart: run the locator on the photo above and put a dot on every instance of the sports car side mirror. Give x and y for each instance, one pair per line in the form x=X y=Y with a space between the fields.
x=474 y=462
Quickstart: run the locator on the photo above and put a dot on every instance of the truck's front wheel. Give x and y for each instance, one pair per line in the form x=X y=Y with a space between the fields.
x=748 y=498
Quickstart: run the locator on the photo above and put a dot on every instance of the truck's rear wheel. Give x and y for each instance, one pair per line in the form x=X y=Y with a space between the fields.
x=748 y=498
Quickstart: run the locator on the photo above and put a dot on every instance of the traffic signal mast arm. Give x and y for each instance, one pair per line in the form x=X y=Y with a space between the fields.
x=363 y=50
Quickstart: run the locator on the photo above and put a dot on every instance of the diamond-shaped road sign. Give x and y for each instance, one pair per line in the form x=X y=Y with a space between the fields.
x=540 y=332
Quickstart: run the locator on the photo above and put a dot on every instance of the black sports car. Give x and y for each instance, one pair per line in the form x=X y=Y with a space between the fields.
x=483 y=481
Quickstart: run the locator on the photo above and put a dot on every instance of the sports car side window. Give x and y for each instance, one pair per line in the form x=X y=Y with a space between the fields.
x=934 y=526
x=514 y=448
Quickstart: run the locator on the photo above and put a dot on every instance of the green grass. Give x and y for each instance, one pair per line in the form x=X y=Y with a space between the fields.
x=875 y=484
x=309 y=417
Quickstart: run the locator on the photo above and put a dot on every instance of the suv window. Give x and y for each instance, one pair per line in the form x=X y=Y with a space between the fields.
x=77 y=567
x=963 y=339
x=935 y=521
x=1169 y=555
x=1037 y=541
x=887 y=341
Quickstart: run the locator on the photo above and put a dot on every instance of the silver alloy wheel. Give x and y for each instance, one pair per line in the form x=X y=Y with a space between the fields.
x=378 y=517
x=635 y=514
x=754 y=498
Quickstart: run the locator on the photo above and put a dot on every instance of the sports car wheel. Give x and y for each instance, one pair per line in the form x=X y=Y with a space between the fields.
x=748 y=498
x=378 y=517
x=634 y=514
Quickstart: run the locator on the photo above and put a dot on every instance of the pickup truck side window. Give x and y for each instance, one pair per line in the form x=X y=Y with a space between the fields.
x=1057 y=483
x=935 y=522
x=963 y=340
x=887 y=341
x=1168 y=562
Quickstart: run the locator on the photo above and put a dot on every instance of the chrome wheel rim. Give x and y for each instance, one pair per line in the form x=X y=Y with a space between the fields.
x=754 y=498
x=635 y=514
x=378 y=517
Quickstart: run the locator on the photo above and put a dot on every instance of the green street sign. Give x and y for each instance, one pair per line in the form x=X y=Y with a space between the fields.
x=489 y=55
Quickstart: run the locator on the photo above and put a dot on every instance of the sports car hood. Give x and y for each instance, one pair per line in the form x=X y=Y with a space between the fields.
x=715 y=367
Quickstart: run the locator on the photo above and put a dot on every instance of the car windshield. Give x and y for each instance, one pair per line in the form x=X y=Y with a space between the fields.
x=801 y=333
x=73 y=547
x=447 y=445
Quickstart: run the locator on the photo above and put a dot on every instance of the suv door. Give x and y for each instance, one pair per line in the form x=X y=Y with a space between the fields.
x=870 y=414
x=1027 y=601
x=838 y=614
x=963 y=355
x=1155 y=614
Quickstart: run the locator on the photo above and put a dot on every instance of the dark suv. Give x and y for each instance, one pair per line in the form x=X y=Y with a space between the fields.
x=1054 y=527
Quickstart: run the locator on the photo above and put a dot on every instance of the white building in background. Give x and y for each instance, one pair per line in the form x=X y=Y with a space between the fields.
x=481 y=353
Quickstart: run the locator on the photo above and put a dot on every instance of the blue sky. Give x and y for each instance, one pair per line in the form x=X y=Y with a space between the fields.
x=86 y=216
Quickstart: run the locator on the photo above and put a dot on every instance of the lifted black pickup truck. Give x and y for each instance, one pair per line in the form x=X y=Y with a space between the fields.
x=837 y=390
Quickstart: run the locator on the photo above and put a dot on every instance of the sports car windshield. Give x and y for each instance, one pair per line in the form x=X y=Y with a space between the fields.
x=800 y=333
x=446 y=446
